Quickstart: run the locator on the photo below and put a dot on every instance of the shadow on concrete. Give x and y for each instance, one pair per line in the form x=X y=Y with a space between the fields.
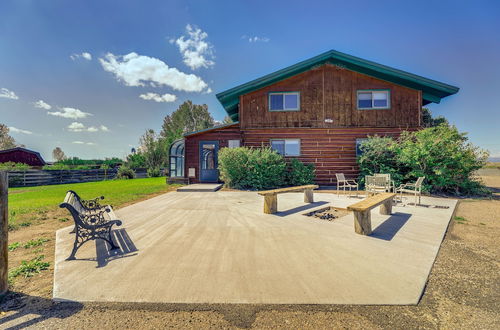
x=30 y=310
x=389 y=228
x=300 y=209
x=104 y=253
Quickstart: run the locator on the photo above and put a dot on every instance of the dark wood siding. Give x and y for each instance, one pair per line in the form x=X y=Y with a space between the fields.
x=330 y=92
x=21 y=156
x=331 y=150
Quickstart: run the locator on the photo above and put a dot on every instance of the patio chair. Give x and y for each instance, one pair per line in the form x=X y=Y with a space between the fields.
x=376 y=184
x=342 y=182
x=411 y=188
x=391 y=186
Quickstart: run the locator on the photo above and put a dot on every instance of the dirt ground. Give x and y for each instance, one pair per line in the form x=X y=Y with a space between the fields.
x=463 y=290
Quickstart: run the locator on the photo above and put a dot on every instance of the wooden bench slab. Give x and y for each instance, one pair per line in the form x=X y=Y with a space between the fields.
x=271 y=198
x=362 y=211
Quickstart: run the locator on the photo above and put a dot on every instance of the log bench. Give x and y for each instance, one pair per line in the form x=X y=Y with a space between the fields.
x=92 y=220
x=362 y=211
x=271 y=196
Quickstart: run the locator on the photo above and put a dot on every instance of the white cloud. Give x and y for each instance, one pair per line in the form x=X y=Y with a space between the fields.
x=83 y=55
x=42 y=105
x=255 y=39
x=18 y=130
x=136 y=70
x=81 y=142
x=195 y=50
x=71 y=113
x=79 y=127
x=8 y=94
x=158 y=97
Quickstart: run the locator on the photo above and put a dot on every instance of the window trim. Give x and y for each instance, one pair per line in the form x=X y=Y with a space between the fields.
x=374 y=90
x=283 y=93
x=285 y=155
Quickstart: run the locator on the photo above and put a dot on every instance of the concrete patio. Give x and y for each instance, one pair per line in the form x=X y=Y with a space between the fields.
x=219 y=247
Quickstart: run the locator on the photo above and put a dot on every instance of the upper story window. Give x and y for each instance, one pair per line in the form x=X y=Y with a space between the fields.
x=374 y=99
x=284 y=101
x=286 y=147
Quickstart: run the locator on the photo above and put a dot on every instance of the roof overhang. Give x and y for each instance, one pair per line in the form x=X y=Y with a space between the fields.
x=432 y=90
x=211 y=129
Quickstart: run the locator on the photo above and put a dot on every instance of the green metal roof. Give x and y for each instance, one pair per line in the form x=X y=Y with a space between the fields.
x=211 y=128
x=432 y=91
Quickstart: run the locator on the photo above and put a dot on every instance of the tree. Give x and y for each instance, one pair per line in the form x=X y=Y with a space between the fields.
x=6 y=141
x=187 y=118
x=227 y=120
x=58 y=154
x=429 y=121
x=153 y=149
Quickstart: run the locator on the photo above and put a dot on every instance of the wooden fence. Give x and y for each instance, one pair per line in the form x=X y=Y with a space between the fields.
x=49 y=177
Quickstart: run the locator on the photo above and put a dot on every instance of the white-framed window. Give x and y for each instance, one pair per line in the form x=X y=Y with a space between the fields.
x=286 y=147
x=284 y=101
x=233 y=143
x=374 y=99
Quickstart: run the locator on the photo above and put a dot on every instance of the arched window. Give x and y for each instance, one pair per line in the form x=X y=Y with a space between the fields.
x=177 y=159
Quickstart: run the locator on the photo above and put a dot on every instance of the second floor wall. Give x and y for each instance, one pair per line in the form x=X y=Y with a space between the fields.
x=329 y=98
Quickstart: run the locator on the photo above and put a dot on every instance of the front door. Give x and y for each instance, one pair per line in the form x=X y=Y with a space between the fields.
x=208 y=161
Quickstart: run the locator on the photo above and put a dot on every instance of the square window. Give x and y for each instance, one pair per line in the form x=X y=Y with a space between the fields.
x=373 y=99
x=284 y=101
x=233 y=143
x=286 y=147
x=279 y=146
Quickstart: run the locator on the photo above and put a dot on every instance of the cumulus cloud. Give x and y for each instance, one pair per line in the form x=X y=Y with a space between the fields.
x=42 y=105
x=8 y=94
x=79 y=127
x=83 y=55
x=71 y=113
x=158 y=97
x=81 y=142
x=255 y=38
x=137 y=70
x=18 y=130
x=196 y=51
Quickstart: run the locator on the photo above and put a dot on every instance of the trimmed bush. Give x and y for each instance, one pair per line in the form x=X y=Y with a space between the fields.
x=125 y=172
x=299 y=174
x=56 y=167
x=11 y=166
x=252 y=168
x=442 y=154
x=154 y=172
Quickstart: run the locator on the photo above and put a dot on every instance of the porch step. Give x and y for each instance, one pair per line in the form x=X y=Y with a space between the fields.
x=200 y=187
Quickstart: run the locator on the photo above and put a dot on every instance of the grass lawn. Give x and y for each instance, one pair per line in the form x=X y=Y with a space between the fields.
x=26 y=204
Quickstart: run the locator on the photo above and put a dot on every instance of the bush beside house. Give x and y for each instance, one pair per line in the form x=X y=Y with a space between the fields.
x=442 y=154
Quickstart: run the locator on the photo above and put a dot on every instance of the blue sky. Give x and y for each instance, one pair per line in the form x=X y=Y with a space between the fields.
x=71 y=56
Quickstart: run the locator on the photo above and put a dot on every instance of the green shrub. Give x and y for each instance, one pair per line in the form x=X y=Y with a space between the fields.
x=299 y=174
x=441 y=154
x=12 y=166
x=251 y=168
x=57 y=167
x=82 y=167
x=125 y=172
x=154 y=172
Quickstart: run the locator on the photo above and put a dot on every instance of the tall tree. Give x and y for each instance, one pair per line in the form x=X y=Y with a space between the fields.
x=430 y=121
x=153 y=149
x=188 y=117
x=58 y=154
x=6 y=141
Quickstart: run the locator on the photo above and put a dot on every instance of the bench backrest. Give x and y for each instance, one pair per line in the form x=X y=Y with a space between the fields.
x=72 y=199
x=377 y=181
x=383 y=175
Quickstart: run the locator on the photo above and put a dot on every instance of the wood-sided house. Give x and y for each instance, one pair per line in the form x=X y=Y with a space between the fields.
x=317 y=110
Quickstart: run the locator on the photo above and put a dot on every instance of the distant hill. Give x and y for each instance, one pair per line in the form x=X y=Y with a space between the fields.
x=494 y=159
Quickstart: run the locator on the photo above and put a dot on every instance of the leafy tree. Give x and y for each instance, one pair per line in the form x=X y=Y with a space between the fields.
x=153 y=149
x=58 y=154
x=136 y=160
x=227 y=120
x=6 y=141
x=429 y=121
x=187 y=118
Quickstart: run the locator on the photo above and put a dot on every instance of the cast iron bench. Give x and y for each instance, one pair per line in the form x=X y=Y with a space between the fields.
x=362 y=209
x=271 y=198
x=92 y=220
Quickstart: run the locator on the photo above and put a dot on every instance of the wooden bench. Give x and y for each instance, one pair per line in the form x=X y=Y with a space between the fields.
x=362 y=211
x=92 y=220
x=271 y=196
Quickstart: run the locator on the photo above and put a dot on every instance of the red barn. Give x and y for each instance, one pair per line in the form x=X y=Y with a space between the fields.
x=21 y=155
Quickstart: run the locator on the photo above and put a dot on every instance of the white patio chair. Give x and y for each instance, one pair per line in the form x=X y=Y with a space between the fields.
x=391 y=186
x=375 y=184
x=411 y=188
x=342 y=182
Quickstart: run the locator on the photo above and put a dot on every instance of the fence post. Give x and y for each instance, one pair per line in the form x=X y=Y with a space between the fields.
x=4 y=231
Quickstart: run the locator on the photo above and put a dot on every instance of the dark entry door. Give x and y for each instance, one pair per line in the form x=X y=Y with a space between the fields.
x=208 y=161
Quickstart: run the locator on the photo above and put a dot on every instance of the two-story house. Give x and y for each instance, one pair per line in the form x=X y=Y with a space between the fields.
x=317 y=110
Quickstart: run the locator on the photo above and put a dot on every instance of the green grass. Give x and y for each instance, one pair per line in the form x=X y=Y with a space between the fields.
x=26 y=204
x=14 y=246
x=29 y=268
x=35 y=242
